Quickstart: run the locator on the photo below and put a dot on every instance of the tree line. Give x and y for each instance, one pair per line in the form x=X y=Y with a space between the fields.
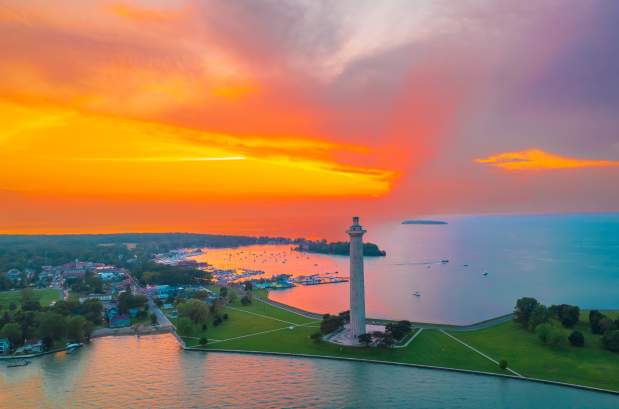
x=554 y=325
x=64 y=321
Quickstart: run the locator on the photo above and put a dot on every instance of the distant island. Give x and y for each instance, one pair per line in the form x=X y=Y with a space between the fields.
x=423 y=222
x=340 y=248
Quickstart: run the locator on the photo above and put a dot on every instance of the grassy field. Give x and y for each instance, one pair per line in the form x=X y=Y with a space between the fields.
x=45 y=297
x=590 y=365
x=261 y=327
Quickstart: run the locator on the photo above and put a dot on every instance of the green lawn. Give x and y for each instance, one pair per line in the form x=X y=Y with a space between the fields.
x=45 y=297
x=590 y=365
x=259 y=327
x=264 y=332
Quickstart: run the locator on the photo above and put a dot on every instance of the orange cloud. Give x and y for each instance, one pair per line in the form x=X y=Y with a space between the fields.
x=536 y=159
x=54 y=150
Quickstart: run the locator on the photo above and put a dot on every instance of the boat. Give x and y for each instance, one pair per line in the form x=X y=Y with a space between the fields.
x=71 y=348
x=445 y=260
x=17 y=364
x=417 y=294
x=485 y=273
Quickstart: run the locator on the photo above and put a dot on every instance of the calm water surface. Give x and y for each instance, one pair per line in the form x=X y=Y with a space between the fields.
x=151 y=372
x=556 y=258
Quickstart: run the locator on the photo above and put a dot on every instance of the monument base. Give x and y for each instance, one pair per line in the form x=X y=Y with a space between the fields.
x=345 y=337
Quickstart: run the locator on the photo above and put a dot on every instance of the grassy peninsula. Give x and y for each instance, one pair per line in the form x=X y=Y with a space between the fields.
x=509 y=348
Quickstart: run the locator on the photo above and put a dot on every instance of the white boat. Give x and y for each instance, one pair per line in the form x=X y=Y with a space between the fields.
x=417 y=294
x=485 y=273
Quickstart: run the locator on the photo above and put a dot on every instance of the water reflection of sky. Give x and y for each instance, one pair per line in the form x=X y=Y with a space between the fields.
x=559 y=259
x=152 y=371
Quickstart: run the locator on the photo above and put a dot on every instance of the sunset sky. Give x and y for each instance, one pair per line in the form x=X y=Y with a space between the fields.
x=288 y=117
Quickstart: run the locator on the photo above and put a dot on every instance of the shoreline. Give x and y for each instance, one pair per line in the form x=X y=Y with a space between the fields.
x=406 y=364
x=171 y=329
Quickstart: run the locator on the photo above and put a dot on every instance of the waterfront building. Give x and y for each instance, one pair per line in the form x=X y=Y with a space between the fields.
x=357 y=285
x=5 y=346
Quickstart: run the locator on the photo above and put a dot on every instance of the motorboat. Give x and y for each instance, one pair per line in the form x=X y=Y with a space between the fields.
x=417 y=294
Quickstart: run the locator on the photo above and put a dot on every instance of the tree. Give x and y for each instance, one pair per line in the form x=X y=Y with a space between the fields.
x=153 y=319
x=223 y=292
x=365 y=339
x=248 y=286
x=577 y=339
x=126 y=301
x=27 y=295
x=539 y=315
x=503 y=364
x=246 y=300
x=398 y=329
x=88 y=328
x=217 y=306
x=605 y=325
x=13 y=333
x=52 y=325
x=12 y=306
x=610 y=340
x=201 y=295
x=386 y=340
x=523 y=310
x=203 y=341
x=567 y=314
x=184 y=326
x=195 y=310
x=594 y=319
x=232 y=297
x=331 y=323
x=75 y=328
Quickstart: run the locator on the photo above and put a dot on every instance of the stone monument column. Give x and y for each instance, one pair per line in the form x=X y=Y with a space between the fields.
x=357 y=286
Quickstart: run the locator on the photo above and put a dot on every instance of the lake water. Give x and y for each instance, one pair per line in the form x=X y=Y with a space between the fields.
x=555 y=258
x=152 y=372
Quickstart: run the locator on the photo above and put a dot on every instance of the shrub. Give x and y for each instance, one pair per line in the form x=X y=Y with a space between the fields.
x=543 y=332
x=399 y=329
x=225 y=316
x=365 y=339
x=331 y=323
x=577 y=339
x=316 y=337
x=503 y=364
x=203 y=341
x=610 y=340
x=557 y=337
x=245 y=300
x=568 y=315
x=204 y=327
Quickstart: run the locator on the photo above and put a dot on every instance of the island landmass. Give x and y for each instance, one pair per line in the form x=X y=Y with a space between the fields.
x=338 y=248
x=423 y=222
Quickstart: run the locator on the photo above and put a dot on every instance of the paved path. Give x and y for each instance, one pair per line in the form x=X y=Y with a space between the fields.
x=479 y=352
x=289 y=308
x=260 y=315
x=410 y=340
x=260 y=333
